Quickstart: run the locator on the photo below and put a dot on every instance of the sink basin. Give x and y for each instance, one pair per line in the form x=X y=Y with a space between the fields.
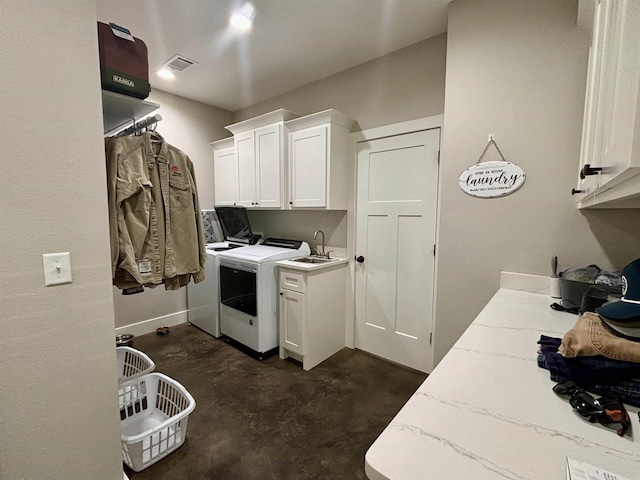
x=314 y=260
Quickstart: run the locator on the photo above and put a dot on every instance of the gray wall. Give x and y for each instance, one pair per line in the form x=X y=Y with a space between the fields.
x=403 y=85
x=58 y=379
x=516 y=68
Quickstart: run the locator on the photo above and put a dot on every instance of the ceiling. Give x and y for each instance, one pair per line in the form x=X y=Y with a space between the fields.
x=291 y=43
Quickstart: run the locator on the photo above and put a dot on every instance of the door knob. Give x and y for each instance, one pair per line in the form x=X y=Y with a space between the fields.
x=360 y=259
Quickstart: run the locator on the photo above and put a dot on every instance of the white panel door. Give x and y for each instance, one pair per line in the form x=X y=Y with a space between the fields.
x=246 y=158
x=225 y=172
x=269 y=166
x=308 y=160
x=396 y=230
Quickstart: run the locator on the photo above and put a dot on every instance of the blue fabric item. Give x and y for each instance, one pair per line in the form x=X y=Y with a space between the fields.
x=599 y=375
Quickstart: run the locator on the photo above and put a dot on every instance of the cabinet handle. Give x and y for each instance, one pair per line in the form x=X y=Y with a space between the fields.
x=574 y=191
x=360 y=259
x=290 y=203
x=281 y=293
x=589 y=170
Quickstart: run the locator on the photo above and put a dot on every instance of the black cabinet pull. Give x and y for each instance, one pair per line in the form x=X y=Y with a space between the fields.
x=360 y=259
x=589 y=170
x=574 y=191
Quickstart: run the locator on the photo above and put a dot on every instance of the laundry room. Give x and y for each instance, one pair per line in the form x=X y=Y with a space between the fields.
x=311 y=289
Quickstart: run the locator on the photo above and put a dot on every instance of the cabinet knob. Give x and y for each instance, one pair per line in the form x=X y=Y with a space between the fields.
x=574 y=191
x=281 y=293
x=360 y=259
x=290 y=203
x=589 y=170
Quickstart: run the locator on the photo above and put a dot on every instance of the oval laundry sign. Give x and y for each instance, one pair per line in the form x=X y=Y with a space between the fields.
x=492 y=179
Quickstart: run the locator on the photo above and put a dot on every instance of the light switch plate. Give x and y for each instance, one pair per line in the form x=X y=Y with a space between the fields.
x=57 y=268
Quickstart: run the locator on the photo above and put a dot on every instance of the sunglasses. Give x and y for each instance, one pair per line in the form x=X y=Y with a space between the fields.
x=609 y=412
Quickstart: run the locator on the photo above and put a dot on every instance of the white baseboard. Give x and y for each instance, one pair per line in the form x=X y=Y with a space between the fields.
x=150 y=325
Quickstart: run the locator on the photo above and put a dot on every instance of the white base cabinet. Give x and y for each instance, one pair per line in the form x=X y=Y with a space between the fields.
x=312 y=313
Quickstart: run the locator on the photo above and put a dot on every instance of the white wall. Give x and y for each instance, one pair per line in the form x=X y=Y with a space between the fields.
x=58 y=380
x=301 y=225
x=189 y=126
x=516 y=68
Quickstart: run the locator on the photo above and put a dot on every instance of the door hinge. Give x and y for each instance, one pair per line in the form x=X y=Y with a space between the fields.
x=434 y=249
x=438 y=157
x=430 y=337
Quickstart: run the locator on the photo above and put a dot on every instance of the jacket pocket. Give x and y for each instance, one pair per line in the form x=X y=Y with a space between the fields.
x=180 y=196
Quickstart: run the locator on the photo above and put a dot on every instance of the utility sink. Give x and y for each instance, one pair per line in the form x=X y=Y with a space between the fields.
x=314 y=260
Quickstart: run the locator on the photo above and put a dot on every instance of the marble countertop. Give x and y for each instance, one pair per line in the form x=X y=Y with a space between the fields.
x=488 y=412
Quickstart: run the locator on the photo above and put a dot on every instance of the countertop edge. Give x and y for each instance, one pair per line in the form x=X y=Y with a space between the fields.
x=307 y=267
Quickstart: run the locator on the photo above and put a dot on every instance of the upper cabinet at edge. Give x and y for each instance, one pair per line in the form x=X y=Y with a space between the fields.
x=318 y=160
x=225 y=172
x=610 y=152
x=260 y=156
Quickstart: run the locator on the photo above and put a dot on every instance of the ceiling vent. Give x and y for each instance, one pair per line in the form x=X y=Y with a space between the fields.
x=179 y=63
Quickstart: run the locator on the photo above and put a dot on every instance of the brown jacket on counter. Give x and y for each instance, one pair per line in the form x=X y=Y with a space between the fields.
x=590 y=336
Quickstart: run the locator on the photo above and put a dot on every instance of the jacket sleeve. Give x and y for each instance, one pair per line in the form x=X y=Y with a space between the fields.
x=202 y=252
x=112 y=171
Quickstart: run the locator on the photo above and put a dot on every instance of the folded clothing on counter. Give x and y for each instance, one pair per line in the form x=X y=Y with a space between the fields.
x=590 y=336
x=597 y=374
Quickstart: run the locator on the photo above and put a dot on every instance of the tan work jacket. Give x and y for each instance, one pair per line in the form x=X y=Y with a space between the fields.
x=154 y=214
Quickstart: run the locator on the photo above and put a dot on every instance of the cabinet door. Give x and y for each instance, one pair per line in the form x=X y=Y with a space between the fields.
x=225 y=171
x=622 y=69
x=611 y=107
x=308 y=161
x=292 y=320
x=269 y=166
x=246 y=158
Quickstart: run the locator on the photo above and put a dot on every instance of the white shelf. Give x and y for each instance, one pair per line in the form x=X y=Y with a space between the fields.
x=120 y=111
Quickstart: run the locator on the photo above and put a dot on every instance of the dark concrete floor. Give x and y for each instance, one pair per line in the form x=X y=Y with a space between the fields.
x=270 y=419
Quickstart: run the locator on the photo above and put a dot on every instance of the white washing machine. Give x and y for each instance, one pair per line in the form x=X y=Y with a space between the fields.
x=249 y=291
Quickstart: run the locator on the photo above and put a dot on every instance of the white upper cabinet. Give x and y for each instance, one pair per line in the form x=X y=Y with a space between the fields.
x=319 y=160
x=261 y=154
x=225 y=171
x=610 y=153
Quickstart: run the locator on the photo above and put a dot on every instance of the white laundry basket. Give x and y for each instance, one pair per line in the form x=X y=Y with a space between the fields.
x=132 y=363
x=154 y=411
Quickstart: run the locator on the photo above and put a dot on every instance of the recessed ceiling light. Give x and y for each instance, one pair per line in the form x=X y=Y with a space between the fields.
x=166 y=73
x=243 y=17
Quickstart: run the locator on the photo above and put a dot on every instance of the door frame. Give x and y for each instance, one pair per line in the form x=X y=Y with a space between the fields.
x=426 y=123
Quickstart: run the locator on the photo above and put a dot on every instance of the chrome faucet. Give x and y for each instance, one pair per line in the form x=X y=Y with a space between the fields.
x=320 y=253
